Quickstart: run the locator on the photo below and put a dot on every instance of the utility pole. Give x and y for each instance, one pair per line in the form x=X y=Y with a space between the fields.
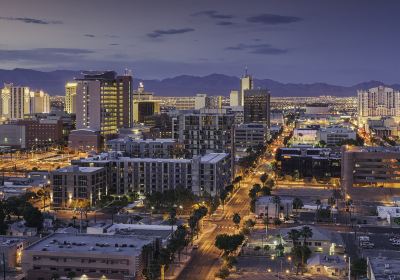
x=4 y=266
x=349 y=268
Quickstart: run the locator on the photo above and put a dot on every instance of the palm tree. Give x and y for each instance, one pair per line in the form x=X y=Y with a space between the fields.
x=263 y=178
x=297 y=203
x=277 y=201
x=318 y=203
x=294 y=235
x=306 y=232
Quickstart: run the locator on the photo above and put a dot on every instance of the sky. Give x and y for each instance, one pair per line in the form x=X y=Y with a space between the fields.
x=301 y=41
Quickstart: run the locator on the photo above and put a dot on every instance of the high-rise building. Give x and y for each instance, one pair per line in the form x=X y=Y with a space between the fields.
x=19 y=102
x=246 y=83
x=378 y=102
x=201 y=101
x=257 y=106
x=205 y=131
x=234 y=98
x=144 y=105
x=70 y=97
x=5 y=96
x=40 y=102
x=104 y=102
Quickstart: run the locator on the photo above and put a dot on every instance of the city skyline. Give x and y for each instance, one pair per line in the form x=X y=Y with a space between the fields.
x=301 y=41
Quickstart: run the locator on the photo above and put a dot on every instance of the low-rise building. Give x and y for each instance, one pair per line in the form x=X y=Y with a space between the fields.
x=73 y=183
x=322 y=241
x=371 y=171
x=383 y=267
x=95 y=256
x=11 y=248
x=335 y=135
x=20 y=229
x=85 y=140
x=327 y=265
x=309 y=162
x=308 y=136
x=270 y=207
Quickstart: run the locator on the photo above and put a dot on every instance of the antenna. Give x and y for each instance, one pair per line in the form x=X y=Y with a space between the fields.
x=245 y=71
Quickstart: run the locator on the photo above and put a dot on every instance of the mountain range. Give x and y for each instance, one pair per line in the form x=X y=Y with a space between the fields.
x=185 y=85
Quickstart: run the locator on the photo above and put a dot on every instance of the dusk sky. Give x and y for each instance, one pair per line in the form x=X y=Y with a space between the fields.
x=341 y=42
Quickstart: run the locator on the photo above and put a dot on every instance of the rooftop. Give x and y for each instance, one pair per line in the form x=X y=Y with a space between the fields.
x=384 y=267
x=91 y=243
x=9 y=241
x=213 y=157
x=74 y=168
x=150 y=140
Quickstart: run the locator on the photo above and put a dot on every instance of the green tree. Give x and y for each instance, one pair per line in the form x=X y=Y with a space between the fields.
x=294 y=235
x=265 y=191
x=236 y=219
x=306 y=233
x=249 y=223
x=263 y=178
x=297 y=203
x=301 y=254
x=358 y=268
x=33 y=217
x=228 y=243
x=277 y=201
x=223 y=196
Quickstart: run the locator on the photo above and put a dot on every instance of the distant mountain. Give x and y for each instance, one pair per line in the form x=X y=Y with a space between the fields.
x=184 y=85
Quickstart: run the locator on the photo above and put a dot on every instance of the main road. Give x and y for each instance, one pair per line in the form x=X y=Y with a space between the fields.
x=205 y=261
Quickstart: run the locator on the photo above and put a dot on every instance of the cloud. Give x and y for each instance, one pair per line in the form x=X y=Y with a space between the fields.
x=159 y=33
x=44 y=55
x=266 y=49
x=89 y=35
x=32 y=20
x=225 y=23
x=271 y=19
x=213 y=14
x=114 y=44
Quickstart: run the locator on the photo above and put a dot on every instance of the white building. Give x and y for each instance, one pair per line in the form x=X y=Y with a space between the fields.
x=334 y=135
x=266 y=207
x=143 y=148
x=201 y=101
x=378 y=102
x=388 y=212
x=19 y=102
x=308 y=136
x=246 y=83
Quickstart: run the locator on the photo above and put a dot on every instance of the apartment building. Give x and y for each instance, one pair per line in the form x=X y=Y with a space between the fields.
x=209 y=173
x=86 y=256
x=143 y=148
x=73 y=183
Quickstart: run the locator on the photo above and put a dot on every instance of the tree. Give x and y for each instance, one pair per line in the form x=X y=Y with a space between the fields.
x=249 y=223
x=322 y=144
x=222 y=196
x=172 y=219
x=3 y=225
x=229 y=188
x=301 y=254
x=277 y=201
x=265 y=191
x=297 y=203
x=263 y=178
x=279 y=249
x=43 y=194
x=294 y=235
x=228 y=243
x=318 y=203
x=223 y=273
x=33 y=217
x=236 y=219
x=270 y=183
x=358 y=268
x=306 y=232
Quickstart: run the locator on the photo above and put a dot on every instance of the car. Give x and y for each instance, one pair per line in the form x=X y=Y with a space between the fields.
x=195 y=247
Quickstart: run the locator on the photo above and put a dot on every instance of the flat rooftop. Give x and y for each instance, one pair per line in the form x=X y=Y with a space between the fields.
x=9 y=241
x=384 y=267
x=91 y=243
x=149 y=140
x=213 y=157
x=73 y=168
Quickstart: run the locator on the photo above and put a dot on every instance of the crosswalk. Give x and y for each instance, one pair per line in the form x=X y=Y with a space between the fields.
x=226 y=227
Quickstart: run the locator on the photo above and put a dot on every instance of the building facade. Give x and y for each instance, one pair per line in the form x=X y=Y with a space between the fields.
x=143 y=148
x=257 y=106
x=250 y=135
x=73 y=183
x=39 y=102
x=209 y=173
x=104 y=102
x=70 y=97
x=378 y=102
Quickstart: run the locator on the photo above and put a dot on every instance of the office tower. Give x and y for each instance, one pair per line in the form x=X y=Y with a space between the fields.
x=257 y=106
x=5 y=96
x=234 y=98
x=215 y=102
x=378 y=102
x=144 y=105
x=201 y=101
x=246 y=83
x=104 y=102
x=19 y=102
x=70 y=97
x=40 y=102
x=250 y=135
